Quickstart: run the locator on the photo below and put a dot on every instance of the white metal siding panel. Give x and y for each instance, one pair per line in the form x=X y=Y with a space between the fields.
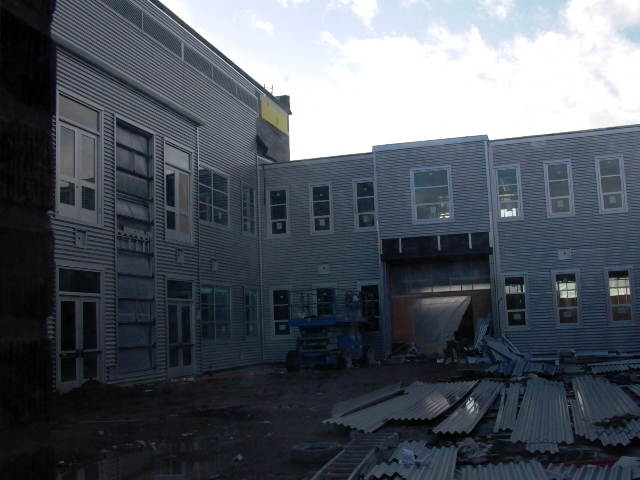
x=596 y=240
x=469 y=189
x=352 y=256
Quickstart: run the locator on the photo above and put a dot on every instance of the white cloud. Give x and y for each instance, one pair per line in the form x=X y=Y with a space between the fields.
x=498 y=8
x=285 y=3
x=364 y=9
x=179 y=7
x=261 y=24
x=397 y=89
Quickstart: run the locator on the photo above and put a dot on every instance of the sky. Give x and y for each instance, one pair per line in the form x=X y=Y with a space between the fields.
x=374 y=72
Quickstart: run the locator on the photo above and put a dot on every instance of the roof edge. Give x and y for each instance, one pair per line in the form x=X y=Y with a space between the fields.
x=430 y=143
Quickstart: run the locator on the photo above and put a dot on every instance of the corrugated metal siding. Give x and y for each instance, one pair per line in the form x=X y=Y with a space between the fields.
x=468 y=182
x=293 y=261
x=596 y=240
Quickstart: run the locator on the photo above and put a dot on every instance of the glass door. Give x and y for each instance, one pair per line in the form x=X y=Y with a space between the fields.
x=78 y=348
x=181 y=344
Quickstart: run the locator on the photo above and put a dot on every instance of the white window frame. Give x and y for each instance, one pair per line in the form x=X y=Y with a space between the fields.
x=171 y=234
x=505 y=309
x=214 y=320
x=610 y=305
x=213 y=171
x=357 y=213
x=313 y=217
x=76 y=212
x=520 y=215
x=414 y=205
x=272 y=324
x=250 y=219
x=556 y=307
x=271 y=221
x=547 y=181
x=247 y=320
x=622 y=192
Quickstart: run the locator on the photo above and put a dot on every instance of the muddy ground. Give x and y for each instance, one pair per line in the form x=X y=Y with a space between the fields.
x=199 y=427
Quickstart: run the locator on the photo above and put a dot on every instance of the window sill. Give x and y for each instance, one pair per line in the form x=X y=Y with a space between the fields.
x=617 y=210
x=431 y=222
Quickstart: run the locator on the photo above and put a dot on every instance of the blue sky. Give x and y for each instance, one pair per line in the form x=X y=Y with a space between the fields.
x=372 y=72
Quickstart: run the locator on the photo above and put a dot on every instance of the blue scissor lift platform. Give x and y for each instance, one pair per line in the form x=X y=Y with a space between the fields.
x=329 y=322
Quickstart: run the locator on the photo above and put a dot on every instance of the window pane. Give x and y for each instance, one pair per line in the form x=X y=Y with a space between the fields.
x=278 y=197
x=78 y=113
x=127 y=137
x=220 y=217
x=278 y=228
x=183 y=193
x=560 y=205
x=558 y=171
x=171 y=221
x=569 y=315
x=67 y=193
x=507 y=176
x=170 y=188
x=186 y=324
x=432 y=195
x=610 y=167
x=88 y=159
x=89 y=325
x=67 y=325
x=204 y=177
x=430 y=179
x=364 y=189
x=559 y=188
x=67 y=152
x=89 y=198
x=516 y=318
x=185 y=226
x=177 y=157
x=172 y=319
x=621 y=313
x=321 y=208
x=611 y=184
x=79 y=281
x=366 y=220
x=219 y=199
x=433 y=211
x=179 y=289
x=322 y=224
x=320 y=193
x=516 y=301
x=279 y=212
x=612 y=200
x=366 y=205
x=219 y=182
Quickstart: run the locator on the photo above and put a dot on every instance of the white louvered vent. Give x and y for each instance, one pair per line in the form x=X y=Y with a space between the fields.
x=127 y=9
x=162 y=35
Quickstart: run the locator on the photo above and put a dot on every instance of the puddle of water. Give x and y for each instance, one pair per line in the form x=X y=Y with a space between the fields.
x=170 y=461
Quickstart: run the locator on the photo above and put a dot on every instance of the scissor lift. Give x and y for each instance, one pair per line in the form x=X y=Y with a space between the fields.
x=330 y=324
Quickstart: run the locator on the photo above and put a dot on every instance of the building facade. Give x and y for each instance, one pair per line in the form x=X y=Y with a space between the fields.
x=182 y=228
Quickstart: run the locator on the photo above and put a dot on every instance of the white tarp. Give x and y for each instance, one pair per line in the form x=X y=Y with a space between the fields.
x=435 y=321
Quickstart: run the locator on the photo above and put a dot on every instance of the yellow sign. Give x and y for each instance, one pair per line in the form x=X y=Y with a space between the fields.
x=274 y=116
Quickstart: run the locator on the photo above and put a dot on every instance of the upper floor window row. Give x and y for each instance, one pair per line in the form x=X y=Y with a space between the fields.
x=431 y=194
x=178 y=199
x=611 y=189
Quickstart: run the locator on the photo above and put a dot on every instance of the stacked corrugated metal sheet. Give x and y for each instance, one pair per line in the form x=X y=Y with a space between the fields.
x=543 y=420
x=467 y=415
x=440 y=466
x=634 y=388
x=421 y=401
x=508 y=411
x=588 y=472
x=503 y=471
x=603 y=411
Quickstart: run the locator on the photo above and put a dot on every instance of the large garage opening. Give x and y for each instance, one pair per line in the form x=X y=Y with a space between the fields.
x=438 y=299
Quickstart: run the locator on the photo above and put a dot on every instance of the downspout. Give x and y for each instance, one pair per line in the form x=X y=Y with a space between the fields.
x=260 y=266
x=494 y=239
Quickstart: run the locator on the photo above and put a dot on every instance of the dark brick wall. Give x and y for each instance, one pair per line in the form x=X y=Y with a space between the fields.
x=27 y=105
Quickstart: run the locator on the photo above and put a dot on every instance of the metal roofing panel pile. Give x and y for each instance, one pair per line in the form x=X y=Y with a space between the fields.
x=421 y=401
x=363 y=401
x=507 y=413
x=621 y=367
x=441 y=466
x=504 y=471
x=432 y=403
x=467 y=415
x=543 y=419
x=588 y=472
x=598 y=401
x=499 y=350
x=634 y=388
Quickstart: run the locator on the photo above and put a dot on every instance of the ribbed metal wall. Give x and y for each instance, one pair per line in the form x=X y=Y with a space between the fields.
x=468 y=182
x=293 y=261
x=596 y=240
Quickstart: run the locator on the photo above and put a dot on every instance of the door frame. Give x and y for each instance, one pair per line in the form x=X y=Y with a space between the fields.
x=182 y=370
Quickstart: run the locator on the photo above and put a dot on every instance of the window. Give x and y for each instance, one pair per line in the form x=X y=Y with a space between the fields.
x=248 y=209
x=77 y=147
x=321 y=218
x=559 y=188
x=371 y=306
x=365 y=205
x=611 y=186
x=251 y=313
x=566 y=288
x=281 y=303
x=432 y=199
x=509 y=199
x=278 y=213
x=214 y=197
x=619 y=295
x=515 y=294
x=215 y=305
x=178 y=203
